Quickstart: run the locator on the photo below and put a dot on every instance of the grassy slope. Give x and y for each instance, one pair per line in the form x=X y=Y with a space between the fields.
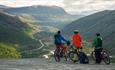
x=15 y=32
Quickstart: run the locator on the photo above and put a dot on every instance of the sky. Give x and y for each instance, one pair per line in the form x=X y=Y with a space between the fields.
x=71 y=6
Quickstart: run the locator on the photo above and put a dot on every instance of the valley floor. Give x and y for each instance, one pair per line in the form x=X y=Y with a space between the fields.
x=45 y=64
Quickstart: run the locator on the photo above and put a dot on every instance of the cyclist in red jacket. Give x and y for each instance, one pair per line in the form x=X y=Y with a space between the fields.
x=77 y=40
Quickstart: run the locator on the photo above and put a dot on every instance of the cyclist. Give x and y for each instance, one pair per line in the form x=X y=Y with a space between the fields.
x=60 y=42
x=98 y=47
x=77 y=40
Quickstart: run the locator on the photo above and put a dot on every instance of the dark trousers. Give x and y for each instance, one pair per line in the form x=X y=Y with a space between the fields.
x=98 y=55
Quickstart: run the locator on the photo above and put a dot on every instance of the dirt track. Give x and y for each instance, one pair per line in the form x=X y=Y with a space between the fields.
x=43 y=64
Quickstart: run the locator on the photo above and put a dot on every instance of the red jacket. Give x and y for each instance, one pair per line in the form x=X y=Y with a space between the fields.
x=77 y=40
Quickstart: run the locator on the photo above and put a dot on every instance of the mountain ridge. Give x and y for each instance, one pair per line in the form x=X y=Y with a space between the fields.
x=35 y=7
x=46 y=15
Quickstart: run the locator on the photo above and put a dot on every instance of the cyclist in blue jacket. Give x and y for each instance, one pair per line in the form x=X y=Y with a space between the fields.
x=60 y=42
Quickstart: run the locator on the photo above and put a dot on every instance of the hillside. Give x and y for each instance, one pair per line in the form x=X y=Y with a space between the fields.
x=15 y=33
x=103 y=22
x=4 y=7
x=45 y=15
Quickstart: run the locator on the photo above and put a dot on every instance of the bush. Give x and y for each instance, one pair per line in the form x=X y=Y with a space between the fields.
x=8 y=52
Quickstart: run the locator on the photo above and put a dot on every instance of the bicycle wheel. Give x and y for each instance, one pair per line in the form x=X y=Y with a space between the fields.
x=93 y=55
x=73 y=56
x=65 y=57
x=62 y=55
x=105 y=57
x=56 y=56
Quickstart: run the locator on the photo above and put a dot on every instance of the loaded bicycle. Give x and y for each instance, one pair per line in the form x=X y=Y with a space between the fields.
x=76 y=55
x=59 y=54
x=104 y=56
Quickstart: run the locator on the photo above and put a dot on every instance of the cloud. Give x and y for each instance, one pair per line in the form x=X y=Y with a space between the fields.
x=19 y=3
x=71 y=6
x=80 y=6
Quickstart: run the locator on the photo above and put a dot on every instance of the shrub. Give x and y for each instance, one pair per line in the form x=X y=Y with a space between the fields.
x=8 y=52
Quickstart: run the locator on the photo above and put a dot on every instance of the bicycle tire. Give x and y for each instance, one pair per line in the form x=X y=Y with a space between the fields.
x=56 y=56
x=106 y=57
x=72 y=57
x=93 y=55
x=63 y=55
x=59 y=56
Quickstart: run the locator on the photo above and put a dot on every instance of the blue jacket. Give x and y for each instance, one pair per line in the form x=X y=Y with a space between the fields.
x=59 y=39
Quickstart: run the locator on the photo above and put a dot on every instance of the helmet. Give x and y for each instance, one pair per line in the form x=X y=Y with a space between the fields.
x=76 y=30
x=59 y=32
x=98 y=34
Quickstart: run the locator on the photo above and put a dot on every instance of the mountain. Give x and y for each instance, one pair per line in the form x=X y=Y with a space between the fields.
x=48 y=10
x=53 y=16
x=3 y=7
x=102 y=22
x=16 y=33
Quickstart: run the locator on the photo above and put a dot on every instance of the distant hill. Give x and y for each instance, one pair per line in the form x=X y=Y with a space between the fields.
x=102 y=22
x=49 y=10
x=46 y=15
x=3 y=7
x=16 y=33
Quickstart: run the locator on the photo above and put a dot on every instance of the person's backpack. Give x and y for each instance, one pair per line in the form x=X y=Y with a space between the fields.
x=83 y=58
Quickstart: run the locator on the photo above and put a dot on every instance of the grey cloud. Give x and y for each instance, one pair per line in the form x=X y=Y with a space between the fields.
x=97 y=1
x=85 y=6
x=107 y=0
x=69 y=2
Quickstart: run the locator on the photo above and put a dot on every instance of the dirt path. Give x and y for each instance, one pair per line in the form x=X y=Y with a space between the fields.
x=39 y=48
x=43 y=64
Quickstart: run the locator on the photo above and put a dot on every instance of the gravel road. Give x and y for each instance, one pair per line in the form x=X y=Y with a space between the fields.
x=46 y=64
